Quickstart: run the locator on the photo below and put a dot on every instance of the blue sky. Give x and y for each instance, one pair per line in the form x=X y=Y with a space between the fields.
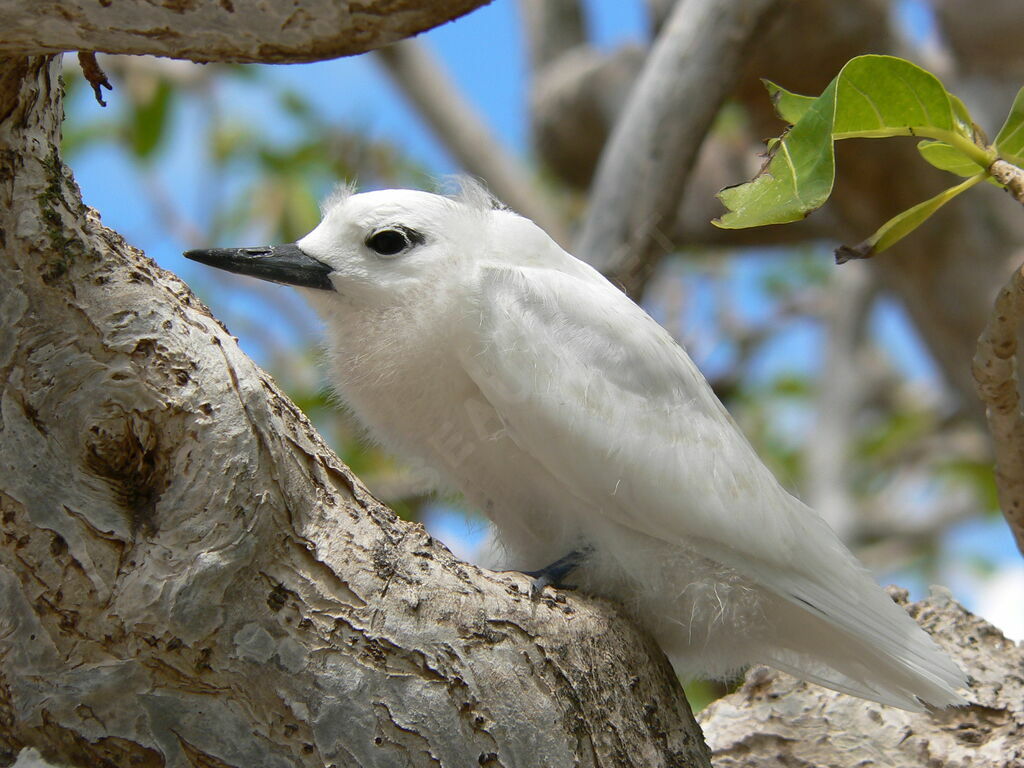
x=483 y=51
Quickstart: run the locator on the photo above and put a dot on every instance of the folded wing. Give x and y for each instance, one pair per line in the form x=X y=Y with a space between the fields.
x=590 y=385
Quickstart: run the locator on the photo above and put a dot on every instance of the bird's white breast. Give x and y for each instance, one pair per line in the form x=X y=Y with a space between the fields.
x=414 y=398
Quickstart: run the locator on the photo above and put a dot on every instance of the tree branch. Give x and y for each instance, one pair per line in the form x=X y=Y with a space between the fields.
x=749 y=728
x=1011 y=176
x=691 y=69
x=840 y=396
x=997 y=372
x=228 y=30
x=552 y=28
x=462 y=130
x=189 y=576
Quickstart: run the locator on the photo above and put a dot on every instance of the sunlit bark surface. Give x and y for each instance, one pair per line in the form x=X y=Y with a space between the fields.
x=226 y=30
x=188 y=575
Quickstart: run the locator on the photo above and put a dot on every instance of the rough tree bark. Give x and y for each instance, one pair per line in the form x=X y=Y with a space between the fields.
x=190 y=577
x=775 y=720
x=228 y=30
x=997 y=371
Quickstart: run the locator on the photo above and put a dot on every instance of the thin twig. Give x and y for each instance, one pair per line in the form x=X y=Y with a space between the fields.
x=995 y=368
x=1010 y=176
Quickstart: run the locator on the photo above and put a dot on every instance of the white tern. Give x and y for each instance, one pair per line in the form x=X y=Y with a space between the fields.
x=464 y=338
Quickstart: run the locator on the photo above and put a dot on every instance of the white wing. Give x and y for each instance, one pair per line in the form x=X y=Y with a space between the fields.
x=590 y=385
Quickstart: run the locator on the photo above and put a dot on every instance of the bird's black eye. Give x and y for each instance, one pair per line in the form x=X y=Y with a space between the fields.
x=388 y=242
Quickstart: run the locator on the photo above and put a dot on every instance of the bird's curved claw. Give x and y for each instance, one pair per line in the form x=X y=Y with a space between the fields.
x=553 y=573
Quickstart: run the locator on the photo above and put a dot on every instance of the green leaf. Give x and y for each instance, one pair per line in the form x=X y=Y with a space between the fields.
x=872 y=97
x=789 y=106
x=944 y=157
x=797 y=177
x=962 y=116
x=148 y=121
x=901 y=225
x=887 y=96
x=1009 y=142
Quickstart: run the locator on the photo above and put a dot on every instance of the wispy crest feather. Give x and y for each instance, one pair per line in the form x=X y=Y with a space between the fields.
x=471 y=192
x=337 y=196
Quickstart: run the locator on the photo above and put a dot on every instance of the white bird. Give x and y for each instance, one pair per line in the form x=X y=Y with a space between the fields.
x=465 y=339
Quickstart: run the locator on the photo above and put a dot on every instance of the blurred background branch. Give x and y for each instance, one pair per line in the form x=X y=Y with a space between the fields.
x=997 y=370
x=417 y=72
x=691 y=68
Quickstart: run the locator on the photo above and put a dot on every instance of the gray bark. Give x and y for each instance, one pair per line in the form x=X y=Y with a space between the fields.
x=997 y=370
x=227 y=30
x=189 y=576
x=692 y=67
x=776 y=720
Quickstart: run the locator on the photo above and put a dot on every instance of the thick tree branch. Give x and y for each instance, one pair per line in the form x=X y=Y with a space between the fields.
x=189 y=576
x=777 y=720
x=461 y=129
x=997 y=373
x=644 y=168
x=228 y=30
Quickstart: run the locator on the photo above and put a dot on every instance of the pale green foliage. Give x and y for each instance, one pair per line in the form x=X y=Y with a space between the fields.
x=871 y=97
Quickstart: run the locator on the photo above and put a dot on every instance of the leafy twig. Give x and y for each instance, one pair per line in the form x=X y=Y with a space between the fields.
x=873 y=97
x=1010 y=176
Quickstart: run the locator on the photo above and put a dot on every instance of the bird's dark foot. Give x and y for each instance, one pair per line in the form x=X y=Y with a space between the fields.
x=554 y=573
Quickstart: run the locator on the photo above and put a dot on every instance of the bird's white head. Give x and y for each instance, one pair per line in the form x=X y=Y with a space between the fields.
x=384 y=248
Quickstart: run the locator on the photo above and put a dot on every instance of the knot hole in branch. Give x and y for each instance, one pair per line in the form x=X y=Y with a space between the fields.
x=124 y=452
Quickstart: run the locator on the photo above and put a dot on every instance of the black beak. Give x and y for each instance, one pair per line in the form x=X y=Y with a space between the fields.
x=286 y=264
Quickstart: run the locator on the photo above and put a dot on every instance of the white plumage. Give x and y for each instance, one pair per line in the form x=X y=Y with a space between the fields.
x=569 y=417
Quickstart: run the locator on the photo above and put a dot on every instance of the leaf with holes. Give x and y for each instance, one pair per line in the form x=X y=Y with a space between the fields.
x=871 y=97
